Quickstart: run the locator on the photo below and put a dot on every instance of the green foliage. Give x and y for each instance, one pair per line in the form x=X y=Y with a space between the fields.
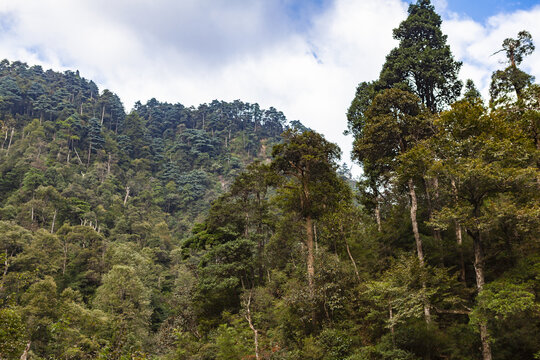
x=12 y=334
x=170 y=233
x=423 y=62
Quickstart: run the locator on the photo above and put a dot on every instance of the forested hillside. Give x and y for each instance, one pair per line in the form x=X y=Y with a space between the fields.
x=224 y=232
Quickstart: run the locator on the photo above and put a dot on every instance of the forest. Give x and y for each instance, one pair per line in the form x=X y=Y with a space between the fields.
x=225 y=231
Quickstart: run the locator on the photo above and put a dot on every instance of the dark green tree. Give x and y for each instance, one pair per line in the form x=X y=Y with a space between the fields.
x=423 y=62
x=309 y=162
x=95 y=137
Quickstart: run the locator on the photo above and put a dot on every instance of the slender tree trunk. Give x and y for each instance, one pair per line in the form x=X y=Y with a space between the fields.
x=127 y=195
x=378 y=214
x=24 y=355
x=252 y=327
x=102 y=115
x=32 y=210
x=78 y=157
x=414 y=208
x=352 y=260
x=420 y=252
x=53 y=221
x=10 y=139
x=310 y=253
x=480 y=281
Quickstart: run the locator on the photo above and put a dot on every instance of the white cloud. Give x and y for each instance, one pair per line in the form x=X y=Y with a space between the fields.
x=193 y=51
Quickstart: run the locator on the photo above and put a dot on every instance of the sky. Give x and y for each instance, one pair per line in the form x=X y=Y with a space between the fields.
x=303 y=57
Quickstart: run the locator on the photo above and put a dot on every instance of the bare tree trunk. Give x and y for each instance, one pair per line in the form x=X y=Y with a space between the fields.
x=78 y=157
x=310 y=256
x=420 y=252
x=480 y=281
x=53 y=220
x=127 y=195
x=24 y=355
x=252 y=327
x=32 y=210
x=353 y=262
x=10 y=139
x=414 y=208
x=102 y=115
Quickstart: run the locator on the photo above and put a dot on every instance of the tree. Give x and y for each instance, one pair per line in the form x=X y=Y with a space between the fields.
x=393 y=124
x=423 y=62
x=12 y=334
x=503 y=82
x=308 y=163
x=95 y=137
x=484 y=157
x=123 y=296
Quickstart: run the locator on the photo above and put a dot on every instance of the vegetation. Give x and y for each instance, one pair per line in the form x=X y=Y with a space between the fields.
x=224 y=232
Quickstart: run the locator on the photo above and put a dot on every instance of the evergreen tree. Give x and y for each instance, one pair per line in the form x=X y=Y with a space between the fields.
x=423 y=62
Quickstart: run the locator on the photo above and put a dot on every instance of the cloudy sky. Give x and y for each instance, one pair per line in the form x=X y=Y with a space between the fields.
x=303 y=57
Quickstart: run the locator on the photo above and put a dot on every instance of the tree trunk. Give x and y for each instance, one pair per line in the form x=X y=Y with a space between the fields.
x=414 y=208
x=480 y=281
x=102 y=115
x=76 y=153
x=127 y=195
x=10 y=139
x=252 y=327
x=53 y=221
x=420 y=252
x=459 y=236
x=24 y=355
x=32 y=210
x=378 y=214
x=310 y=256
x=353 y=262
